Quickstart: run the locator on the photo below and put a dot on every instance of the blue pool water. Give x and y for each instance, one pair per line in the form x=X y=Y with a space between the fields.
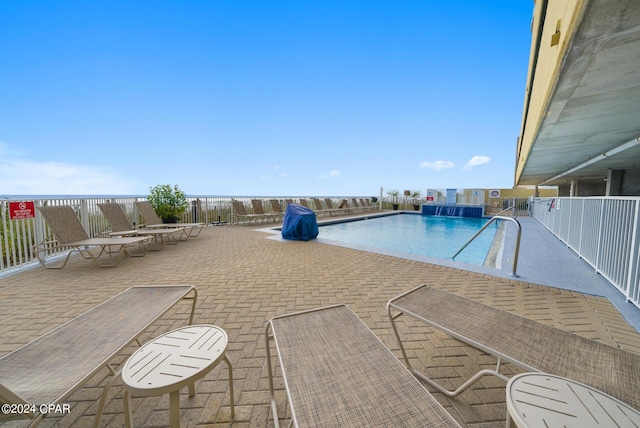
x=431 y=236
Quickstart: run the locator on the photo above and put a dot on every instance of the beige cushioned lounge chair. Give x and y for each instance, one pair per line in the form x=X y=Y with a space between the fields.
x=152 y=221
x=528 y=344
x=337 y=373
x=258 y=209
x=319 y=209
x=69 y=233
x=120 y=226
x=277 y=209
x=51 y=368
x=241 y=215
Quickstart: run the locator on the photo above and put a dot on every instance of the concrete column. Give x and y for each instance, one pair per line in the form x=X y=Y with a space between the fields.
x=607 y=191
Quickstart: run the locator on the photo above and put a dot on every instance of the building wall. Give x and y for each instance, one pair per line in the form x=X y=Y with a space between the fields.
x=625 y=183
x=584 y=188
x=550 y=16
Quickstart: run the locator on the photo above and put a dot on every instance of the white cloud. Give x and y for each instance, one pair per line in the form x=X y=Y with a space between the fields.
x=332 y=173
x=277 y=174
x=476 y=161
x=437 y=165
x=26 y=177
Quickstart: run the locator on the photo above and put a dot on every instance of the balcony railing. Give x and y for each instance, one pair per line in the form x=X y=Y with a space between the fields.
x=17 y=237
x=603 y=231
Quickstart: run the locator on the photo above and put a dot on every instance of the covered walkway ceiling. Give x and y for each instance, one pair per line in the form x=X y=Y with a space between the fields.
x=595 y=104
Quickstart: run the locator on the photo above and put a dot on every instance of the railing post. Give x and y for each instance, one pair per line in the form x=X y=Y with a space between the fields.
x=39 y=224
x=633 y=257
x=3 y=219
x=599 y=238
x=584 y=203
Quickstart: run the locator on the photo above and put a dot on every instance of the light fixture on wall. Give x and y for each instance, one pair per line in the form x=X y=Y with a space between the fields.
x=555 y=37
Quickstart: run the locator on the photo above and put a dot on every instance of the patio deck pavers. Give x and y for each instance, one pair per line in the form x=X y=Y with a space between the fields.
x=244 y=279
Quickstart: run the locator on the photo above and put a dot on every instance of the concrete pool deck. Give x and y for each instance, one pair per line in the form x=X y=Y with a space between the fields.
x=543 y=259
x=244 y=279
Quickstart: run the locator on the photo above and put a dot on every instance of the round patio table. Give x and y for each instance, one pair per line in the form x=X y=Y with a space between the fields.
x=543 y=400
x=172 y=361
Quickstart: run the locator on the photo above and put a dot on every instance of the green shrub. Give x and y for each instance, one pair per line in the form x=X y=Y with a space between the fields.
x=168 y=202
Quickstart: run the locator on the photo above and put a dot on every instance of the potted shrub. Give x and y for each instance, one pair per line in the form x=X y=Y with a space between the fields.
x=415 y=195
x=394 y=198
x=168 y=202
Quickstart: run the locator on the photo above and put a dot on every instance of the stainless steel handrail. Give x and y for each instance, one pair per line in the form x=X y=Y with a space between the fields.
x=517 y=249
x=512 y=207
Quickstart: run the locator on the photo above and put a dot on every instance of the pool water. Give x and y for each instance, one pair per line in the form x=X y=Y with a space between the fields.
x=432 y=236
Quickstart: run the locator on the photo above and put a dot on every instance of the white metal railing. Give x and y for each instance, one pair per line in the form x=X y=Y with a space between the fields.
x=603 y=231
x=17 y=237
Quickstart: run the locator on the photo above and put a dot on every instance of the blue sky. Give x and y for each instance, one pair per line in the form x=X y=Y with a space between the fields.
x=260 y=98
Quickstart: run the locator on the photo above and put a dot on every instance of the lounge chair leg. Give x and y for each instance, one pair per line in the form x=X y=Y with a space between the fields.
x=193 y=305
x=274 y=407
x=103 y=397
x=397 y=335
x=42 y=260
x=476 y=377
x=440 y=388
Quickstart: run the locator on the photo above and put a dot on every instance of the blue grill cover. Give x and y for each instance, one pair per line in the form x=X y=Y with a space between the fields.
x=299 y=223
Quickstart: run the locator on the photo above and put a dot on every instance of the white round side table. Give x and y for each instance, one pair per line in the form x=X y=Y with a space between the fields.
x=543 y=400
x=172 y=361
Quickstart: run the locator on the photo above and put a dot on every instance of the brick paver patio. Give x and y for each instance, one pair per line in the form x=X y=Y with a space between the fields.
x=244 y=279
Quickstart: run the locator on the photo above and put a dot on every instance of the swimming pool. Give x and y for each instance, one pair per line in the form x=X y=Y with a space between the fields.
x=430 y=236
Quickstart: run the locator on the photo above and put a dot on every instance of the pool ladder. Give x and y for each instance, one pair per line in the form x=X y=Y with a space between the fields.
x=517 y=249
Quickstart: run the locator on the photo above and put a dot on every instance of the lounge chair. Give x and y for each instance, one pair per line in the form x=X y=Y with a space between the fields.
x=359 y=205
x=304 y=203
x=152 y=221
x=370 y=205
x=240 y=213
x=120 y=226
x=337 y=373
x=277 y=209
x=49 y=369
x=69 y=234
x=528 y=344
x=329 y=204
x=319 y=209
x=356 y=207
x=258 y=209
x=365 y=204
x=345 y=208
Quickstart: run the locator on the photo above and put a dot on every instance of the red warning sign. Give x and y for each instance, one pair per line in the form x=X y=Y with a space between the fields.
x=20 y=210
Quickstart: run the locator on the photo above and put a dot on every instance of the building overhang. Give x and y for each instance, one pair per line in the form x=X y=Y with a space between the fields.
x=589 y=119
